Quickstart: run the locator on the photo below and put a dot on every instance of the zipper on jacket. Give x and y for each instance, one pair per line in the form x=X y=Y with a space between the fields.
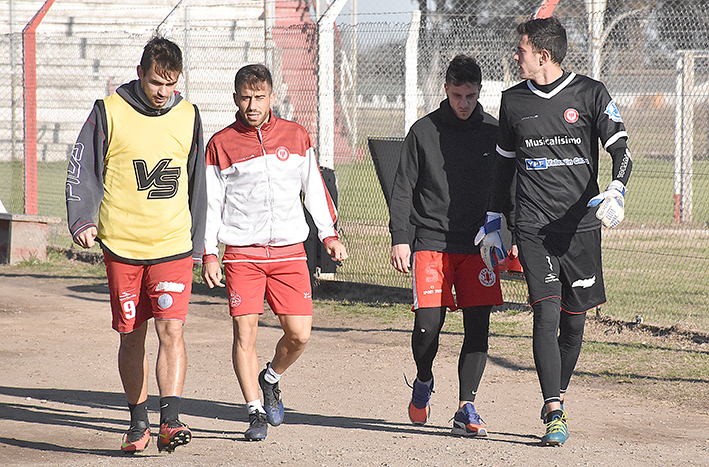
x=268 y=181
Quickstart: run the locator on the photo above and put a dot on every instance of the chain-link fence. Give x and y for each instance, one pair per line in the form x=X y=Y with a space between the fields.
x=653 y=57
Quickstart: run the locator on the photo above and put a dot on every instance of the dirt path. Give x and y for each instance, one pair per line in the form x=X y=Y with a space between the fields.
x=61 y=402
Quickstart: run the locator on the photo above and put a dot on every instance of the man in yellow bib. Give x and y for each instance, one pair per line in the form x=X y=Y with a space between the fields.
x=139 y=163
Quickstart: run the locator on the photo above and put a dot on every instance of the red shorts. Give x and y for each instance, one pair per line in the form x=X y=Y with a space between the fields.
x=435 y=274
x=279 y=273
x=143 y=291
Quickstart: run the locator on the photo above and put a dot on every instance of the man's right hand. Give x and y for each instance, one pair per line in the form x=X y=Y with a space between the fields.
x=212 y=274
x=401 y=257
x=86 y=238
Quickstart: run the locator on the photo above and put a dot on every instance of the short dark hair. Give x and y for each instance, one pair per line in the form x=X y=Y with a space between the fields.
x=165 y=54
x=463 y=69
x=546 y=34
x=253 y=75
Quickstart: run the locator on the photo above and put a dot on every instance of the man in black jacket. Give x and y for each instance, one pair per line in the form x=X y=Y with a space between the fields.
x=442 y=188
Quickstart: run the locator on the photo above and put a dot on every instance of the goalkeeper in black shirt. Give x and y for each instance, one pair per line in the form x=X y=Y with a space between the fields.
x=550 y=125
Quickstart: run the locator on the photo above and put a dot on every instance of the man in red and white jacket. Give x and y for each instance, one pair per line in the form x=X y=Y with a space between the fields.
x=257 y=169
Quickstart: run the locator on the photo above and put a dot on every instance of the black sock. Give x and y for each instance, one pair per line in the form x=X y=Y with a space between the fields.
x=169 y=409
x=138 y=412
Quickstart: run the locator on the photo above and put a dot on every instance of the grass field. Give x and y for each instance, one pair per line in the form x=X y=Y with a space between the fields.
x=653 y=267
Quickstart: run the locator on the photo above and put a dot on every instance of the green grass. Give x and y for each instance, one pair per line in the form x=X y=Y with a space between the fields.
x=663 y=277
x=638 y=360
x=384 y=313
x=56 y=264
x=360 y=195
x=11 y=188
x=51 y=180
x=653 y=267
x=650 y=195
x=504 y=324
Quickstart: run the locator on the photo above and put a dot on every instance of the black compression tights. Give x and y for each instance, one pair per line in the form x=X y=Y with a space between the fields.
x=557 y=344
x=473 y=354
x=424 y=339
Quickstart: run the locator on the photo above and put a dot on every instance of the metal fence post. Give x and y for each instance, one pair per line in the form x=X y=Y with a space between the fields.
x=269 y=21
x=29 y=43
x=326 y=85
x=684 y=136
x=411 y=77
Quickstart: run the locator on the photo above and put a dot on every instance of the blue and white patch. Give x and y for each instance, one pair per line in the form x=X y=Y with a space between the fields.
x=543 y=163
x=612 y=112
x=165 y=301
x=536 y=164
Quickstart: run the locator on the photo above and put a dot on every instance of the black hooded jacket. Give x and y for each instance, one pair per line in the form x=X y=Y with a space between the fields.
x=442 y=185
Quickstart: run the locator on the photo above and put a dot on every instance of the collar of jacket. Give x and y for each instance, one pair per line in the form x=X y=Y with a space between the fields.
x=132 y=91
x=450 y=118
x=265 y=126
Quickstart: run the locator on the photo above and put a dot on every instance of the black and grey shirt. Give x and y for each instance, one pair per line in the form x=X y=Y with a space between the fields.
x=550 y=135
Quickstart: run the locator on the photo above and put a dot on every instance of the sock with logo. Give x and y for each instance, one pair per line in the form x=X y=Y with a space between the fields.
x=169 y=409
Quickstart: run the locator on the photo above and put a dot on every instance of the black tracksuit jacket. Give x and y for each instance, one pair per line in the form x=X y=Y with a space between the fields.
x=443 y=182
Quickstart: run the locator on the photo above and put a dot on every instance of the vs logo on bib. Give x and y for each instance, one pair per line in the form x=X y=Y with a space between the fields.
x=162 y=181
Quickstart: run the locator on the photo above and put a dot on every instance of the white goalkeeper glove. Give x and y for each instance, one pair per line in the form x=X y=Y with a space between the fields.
x=611 y=204
x=490 y=240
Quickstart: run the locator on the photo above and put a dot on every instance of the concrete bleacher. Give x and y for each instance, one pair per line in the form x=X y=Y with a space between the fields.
x=135 y=16
x=87 y=49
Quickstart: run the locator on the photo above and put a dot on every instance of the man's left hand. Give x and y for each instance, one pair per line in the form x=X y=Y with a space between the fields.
x=336 y=250
x=611 y=204
x=212 y=274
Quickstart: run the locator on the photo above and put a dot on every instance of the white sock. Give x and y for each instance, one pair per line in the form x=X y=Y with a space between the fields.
x=255 y=406
x=271 y=376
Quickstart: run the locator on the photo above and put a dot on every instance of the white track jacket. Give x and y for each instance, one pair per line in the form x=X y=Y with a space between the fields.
x=255 y=177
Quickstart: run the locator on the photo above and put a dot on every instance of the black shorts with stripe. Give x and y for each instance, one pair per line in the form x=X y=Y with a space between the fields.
x=563 y=264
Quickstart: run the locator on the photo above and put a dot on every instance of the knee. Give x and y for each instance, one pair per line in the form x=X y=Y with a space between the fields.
x=298 y=338
x=426 y=329
x=132 y=348
x=133 y=341
x=170 y=333
x=245 y=329
x=428 y=322
x=573 y=324
x=546 y=315
x=474 y=345
x=476 y=324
